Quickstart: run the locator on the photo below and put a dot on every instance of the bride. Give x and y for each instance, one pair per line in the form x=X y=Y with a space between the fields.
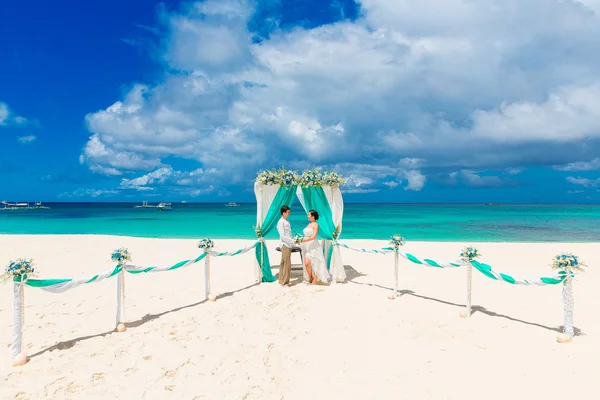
x=314 y=260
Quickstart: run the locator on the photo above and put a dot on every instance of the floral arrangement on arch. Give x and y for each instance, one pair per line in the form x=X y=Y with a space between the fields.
x=308 y=178
x=566 y=261
x=279 y=176
x=18 y=270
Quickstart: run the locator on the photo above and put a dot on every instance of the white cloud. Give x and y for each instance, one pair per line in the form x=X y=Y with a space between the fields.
x=592 y=5
x=26 y=139
x=131 y=42
x=4 y=113
x=585 y=182
x=142 y=182
x=591 y=165
x=7 y=117
x=416 y=180
x=191 y=183
x=569 y=113
x=514 y=171
x=420 y=82
x=472 y=179
x=89 y=193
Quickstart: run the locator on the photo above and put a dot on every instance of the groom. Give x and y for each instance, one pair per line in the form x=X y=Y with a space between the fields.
x=287 y=243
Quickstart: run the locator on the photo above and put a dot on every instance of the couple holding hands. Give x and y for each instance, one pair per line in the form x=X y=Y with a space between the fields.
x=315 y=266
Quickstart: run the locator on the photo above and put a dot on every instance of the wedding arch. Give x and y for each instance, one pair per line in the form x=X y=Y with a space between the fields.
x=316 y=191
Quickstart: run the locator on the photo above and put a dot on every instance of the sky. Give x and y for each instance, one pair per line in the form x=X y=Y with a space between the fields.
x=435 y=101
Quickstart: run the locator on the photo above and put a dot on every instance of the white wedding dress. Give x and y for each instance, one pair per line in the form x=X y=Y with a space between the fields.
x=314 y=252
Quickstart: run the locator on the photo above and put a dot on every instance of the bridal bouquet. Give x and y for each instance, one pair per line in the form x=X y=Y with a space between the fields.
x=17 y=270
x=298 y=238
x=120 y=255
x=206 y=244
x=567 y=260
x=470 y=253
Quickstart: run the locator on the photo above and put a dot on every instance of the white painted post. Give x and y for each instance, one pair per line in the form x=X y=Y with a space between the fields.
x=567 y=297
x=467 y=313
x=395 y=290
x=208 y=291
x=19 y=354
x=121 y=300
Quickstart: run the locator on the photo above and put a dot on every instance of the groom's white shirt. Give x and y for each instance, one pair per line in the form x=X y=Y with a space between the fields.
x=285 y=233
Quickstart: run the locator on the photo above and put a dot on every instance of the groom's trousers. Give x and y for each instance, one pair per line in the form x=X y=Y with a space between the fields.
x=285 y=266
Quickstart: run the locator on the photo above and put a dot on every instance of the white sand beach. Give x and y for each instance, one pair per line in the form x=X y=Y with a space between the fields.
x=260 y=341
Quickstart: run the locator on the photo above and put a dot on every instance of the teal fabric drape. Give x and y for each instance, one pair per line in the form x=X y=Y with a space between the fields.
x=284 y=196
x=315 y=199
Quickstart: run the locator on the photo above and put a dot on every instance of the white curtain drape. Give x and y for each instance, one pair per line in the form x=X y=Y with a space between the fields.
x=336 y=203
x=265 y=194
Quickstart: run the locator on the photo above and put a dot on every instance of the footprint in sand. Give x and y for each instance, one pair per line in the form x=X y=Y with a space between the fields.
x=97 y=376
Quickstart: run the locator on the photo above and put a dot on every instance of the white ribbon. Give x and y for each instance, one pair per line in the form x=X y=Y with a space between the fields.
x=216 y=253
x=73 y=283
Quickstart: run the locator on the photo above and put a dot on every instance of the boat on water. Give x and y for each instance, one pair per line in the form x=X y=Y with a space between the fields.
x=232 y=205
x=164 y=207
x=144 y=205
x=23 y=206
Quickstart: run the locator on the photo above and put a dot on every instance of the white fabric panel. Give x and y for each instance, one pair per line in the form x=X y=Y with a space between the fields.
x=300 y=196
x=336 y=203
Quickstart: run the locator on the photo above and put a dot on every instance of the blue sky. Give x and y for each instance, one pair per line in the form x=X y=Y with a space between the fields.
x=430 y=101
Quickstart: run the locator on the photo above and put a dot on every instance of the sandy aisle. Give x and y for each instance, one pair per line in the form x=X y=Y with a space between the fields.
x=263 y=342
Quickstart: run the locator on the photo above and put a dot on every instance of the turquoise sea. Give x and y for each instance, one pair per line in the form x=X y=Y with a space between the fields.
x=495 y=223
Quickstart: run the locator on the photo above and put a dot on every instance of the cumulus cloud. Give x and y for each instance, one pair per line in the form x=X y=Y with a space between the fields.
x=585 y=182
x=591 y=165
x=192 y=183
x=8 y=117
x=26 y=139
x=89 y=193
x=407 y=88
x=416 y=180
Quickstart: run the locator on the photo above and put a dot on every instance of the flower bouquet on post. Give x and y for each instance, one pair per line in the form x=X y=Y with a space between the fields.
x=18 y=271
x=469 y=254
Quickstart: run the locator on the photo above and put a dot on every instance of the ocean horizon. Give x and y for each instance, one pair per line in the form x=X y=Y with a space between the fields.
x=415 y=221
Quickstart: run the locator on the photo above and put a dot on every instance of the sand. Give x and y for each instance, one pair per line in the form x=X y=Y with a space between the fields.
x=259 y=341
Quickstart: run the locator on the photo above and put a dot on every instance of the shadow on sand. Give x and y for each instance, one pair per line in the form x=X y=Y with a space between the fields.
x=67 y=344
x=352 y=274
